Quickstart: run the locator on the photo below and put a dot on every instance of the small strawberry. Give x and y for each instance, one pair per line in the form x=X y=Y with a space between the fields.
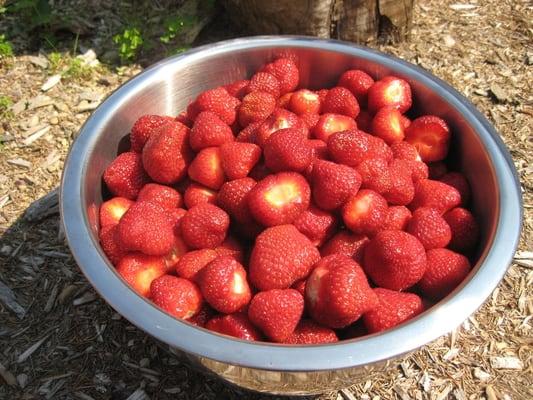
x=143 y=128
x=402 y=189
x=405 y=151
x=316 y=224
x=145 y=227
x=125 y=176
x=445 y=271
x=231 y=247
x=237 y=325
x=276 y=312
x=224 y=286
x=358 y=82
x=139 y=270
x=389 y=91
x=111 y=211
x=247 y=135
x=419 y=170
x=209 y=131
x=286 y=71
x=256 y=106
x=217 y=100
x=340 y=100
x=192 y=262
x=437 y=169
x=397 y=218
x=238 y=159
x=352 y=147
x=233 y=198
x=387 y=125
x=111 y=245
x=206 y=168
x=281 y=256
x=465 y=229
x=310 y=120
x=238 y=88
x=365 y=212
x=309 y=332
x=204 y=226
x=197 y=194
x=179 y=249
x=435 y=194
x=166 y=154
x=264 y=82
x=162 y=195
x=287 y=150
x=279 y=199
x=431 y=137
x=279 y=119
x=284 y=100
x=395 y=260
x=364 y=121
x=375 y=174
x=333 y=184
x=458 y=181
x=346 y=243
x=179 y=297
x=304 y=101
x=319 y=149
x=328 y=124
x=428 y=226
x=337 y=292
x=203 y=316
x=393 y=309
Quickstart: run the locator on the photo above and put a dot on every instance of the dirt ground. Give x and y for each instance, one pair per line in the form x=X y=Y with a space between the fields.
x=67 y=343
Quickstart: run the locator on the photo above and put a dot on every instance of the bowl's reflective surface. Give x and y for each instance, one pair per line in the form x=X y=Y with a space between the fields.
x=167 y=88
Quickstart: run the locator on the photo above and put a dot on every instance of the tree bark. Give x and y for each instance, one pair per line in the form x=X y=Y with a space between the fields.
x=360 y=21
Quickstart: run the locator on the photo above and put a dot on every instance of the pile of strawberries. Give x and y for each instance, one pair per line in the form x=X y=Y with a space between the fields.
x=267 y=212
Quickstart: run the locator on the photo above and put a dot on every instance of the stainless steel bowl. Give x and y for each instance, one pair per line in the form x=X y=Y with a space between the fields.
x=167 y=87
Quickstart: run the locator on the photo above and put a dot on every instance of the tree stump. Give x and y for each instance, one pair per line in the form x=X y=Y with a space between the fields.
x=360 y=21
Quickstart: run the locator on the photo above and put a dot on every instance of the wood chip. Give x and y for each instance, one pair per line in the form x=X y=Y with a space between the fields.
x=85 y=298
x=139 y=394
x=401 y=392
x=449 y=41
x=8 y=298
x=66 y=293
x=19 y=106
x=347 y=395
x=51 y=82
x=19 y=162
x=40 y=133
x=39 y=61
x=444 y=393
x=450 y=354
x=40 y=101
x=460 y=7
x=44 y=207
x=26 y=354
x=506 y=363
x=491 y=393
x=22 y=380
x=82 y=396
x=498 y=93
x=8 y=377
x=51 y=299
x=481 y=375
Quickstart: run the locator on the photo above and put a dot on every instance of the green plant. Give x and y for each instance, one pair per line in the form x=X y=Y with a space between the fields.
x=55 y=59
x=128 y=43
x=34 y=13
x=176 y=25
x=6 y=50
x=5 y=105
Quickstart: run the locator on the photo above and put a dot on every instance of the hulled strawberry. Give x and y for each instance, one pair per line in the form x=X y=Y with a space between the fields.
x=389 y=91
x=192 y=262
x=333 y=184
x=197 y=194
x=309 y=332
x=204 y=226
x=281 y=256
x=346 y=243
x=179 y=297
x=304 y=101
x=358 y=82
x=264 y=82
x=398 y=218
x=111 y=211
x=387 y=125
x=365 y=212
x=111 y=245
x=287 y=150
x=206 y=168
x=435 y=194
x=139 y=270
x=237 y=325
x=179 y=248
x=256 y=106
x=431 y=137
x=143 y=128
x=316 y=224
x=393 y=308
x=464 y=228
x=428 y=226
x=286 y=71
x=279 y=119
x=209 y=131
x=217 y=100
x=125 y=176
x=238 y=159
x=340 y=100
x=276 y=312
x=164 y=196
x=328 y=124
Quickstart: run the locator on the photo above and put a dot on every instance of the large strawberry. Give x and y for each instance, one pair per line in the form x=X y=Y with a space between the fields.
x=333 y=184
x=125 y=176
x=179 y=297
x=204 y=226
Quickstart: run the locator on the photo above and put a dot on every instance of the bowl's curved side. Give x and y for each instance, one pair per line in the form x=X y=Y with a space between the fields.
x=97 y=143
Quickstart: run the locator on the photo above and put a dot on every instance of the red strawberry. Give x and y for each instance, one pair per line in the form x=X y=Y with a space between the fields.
x=465 y=230
x=402 y=189
x=279 y=119
x=346 y=243
x=233 y=198
x=237 y=325
x=437 y=169
x=445 y=271
x=389 y=91
x=419 y=170
x=405 y=122
x=259 y=172
x=206 y=168
x=365 y=212
x=139 y=270
x=238 y=159
x=256 y=106
x=184 y=119
x=203 y=316
x=304 y=101
x=428 y=226
x=217 y=100
x=179 y=297
x=340 y=100
x=146 y=228
x=364 y=121
x=393 y=309
x=238 y=88
x=166 y=154
x=224 y=286
x=112 y=210
x=197 y=194
x=405 y=151
x=397 y=218
x=458 y=181
x=352 y=147
x=192 y=262
x=111 y=245
x=333 y=184
x=264 y=82
x=204 y=226
x=319 y=149
x=387 y=125
x=162 y=195
x=337 y=292
x=316 y=224
x=284 y=100
x=431 y=137
x=328 y=124
x=279 y=199
x=143 y=128
x=281 y=256
x=300 y=286
x=395 y=260
x=125 y=176
x=231 y=247
x=179 y=248
x=286 y=71
x=310 y=120
x=287 y=150
x=248 y=134
x=208 y=131
x=309 y=332
x=435 y=194
x=276 y=312
x=175 y=215
x=375 y=174
x=358 y=82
